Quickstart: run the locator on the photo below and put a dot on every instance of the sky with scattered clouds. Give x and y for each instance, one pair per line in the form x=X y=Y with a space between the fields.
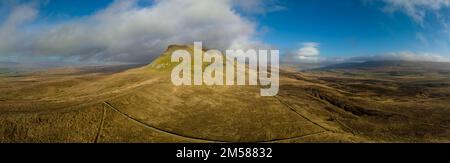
x=303 y=30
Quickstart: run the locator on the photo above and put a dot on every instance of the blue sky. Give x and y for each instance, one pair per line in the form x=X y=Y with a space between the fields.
x=351 y=28
x=317 y=29
x=343 y=28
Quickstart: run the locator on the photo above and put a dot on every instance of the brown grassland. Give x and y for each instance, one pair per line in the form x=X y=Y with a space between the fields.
x=398 y=102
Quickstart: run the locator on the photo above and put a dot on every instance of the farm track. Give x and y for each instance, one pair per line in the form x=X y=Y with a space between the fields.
x=144 y=124
x=299 y=114
x=126 y=90
x=111 y=95
x=100 y=128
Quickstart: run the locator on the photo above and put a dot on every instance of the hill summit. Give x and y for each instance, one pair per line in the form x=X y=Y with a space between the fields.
x=163 y=62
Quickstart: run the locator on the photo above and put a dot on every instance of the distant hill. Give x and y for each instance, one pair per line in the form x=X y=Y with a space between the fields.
x=6 y=67
x=392 y=65
x=3 y=64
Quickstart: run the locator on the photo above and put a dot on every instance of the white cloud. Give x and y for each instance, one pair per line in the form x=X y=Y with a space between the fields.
x=309 y=52
x=11 y=38
x=431 y=15
x=422 y=39
x=410 y=56
x=127 y=32
x=391 y=56
x=309 y=49
x=416 y=9
x=403 y=56
x=258 y=6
